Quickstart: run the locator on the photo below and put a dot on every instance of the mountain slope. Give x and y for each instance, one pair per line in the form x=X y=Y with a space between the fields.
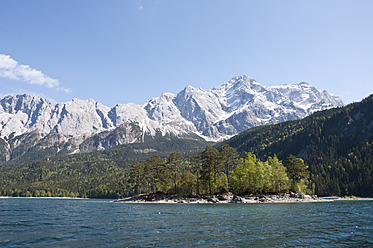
x=94 y=174
x=216 y=114
x=336 y=144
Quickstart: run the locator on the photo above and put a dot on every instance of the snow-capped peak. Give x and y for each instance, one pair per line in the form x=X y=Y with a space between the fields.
x=215 y=114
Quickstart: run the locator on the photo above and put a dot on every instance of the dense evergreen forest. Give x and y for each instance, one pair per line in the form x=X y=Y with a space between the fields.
x=333 y=155
x=336 y=144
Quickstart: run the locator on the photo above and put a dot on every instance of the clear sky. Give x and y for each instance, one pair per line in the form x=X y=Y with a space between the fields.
x=133 y=50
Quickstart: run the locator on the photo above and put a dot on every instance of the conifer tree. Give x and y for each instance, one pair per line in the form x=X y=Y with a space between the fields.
x=230 y=159
x=136 y=174
x=174 y=163
x=211 y=165
x=195 y=162
x=155 y=172
x=296 y=170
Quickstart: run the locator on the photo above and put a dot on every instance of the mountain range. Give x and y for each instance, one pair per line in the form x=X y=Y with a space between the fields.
x=33 y=123
x=335 y=144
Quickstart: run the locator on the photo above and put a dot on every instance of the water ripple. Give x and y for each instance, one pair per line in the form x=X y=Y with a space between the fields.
x=99 y=223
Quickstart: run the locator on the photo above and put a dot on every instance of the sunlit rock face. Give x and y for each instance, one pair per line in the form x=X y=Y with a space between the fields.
x=213 y=114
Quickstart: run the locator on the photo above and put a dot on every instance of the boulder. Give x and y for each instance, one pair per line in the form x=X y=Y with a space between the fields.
x=300 y=195
x=297 y=195
x=225 y=197
x=236 y=199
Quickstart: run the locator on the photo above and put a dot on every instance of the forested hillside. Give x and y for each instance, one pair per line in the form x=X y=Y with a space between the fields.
x=336 y=144
x=96 y=174
x=201 y=173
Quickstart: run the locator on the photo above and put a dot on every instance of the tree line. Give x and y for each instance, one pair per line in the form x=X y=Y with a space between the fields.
x=208 y=172
x=218 y=171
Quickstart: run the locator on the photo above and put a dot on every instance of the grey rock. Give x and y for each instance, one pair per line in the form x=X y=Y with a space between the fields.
x=225 y=197
x=237 y=199
x=215 y=114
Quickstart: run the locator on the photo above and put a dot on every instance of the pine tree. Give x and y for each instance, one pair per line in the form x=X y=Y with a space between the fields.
x=174 y=163
x=136 y=175
x=195 y=162
x=211 y=165
x=297 y=171
x=155 y=172
x=230 y=159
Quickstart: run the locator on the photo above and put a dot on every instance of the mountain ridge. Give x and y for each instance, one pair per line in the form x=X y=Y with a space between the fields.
x=214 y=115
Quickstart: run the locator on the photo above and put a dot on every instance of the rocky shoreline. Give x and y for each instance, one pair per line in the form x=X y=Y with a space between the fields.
x=227 y=198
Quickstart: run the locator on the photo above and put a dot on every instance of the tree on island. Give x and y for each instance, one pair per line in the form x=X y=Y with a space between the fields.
x=156 y=174
x=230 y=159
x=136 y=175
x=298 y=173
x=174 y=163
x=211 y=165
x=279 y=177
x=195 y=162
x=212 y=171
x=252 y=176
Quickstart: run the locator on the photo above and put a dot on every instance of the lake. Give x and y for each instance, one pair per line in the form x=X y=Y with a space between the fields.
x=38 y=222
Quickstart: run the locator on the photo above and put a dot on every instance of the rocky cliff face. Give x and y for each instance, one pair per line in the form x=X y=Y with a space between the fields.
x=214 y=114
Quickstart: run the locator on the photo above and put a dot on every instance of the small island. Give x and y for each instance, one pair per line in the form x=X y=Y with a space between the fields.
x=230 y=198
x=220 y=176
x=220 y=198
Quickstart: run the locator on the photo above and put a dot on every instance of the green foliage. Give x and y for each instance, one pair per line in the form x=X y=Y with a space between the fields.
x=220 y=183
x=186 y=185
x=174 y=164
x=156 y=174
x=107 y=173
x=336 y=145
x=89 y=176
x=229 y=159
x=253 y=176
x=296 y=168
x=100 y=178
x=195 y=168
x=136 y=178
x=278 y=178
x=298 y=173
x=211 y=162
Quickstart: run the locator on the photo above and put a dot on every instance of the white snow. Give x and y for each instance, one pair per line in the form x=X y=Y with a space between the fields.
x=214 y=114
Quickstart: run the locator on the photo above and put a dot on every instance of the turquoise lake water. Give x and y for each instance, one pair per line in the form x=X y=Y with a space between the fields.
x=33 y=222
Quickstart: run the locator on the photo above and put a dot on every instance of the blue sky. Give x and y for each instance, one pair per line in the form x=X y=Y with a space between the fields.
x=130 y=51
